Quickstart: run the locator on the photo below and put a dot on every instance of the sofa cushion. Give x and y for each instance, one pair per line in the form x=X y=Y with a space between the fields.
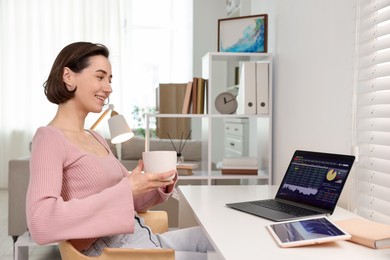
x=132 y=149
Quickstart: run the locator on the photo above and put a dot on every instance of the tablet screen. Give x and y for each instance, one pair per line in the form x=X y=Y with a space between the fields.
x=306 y=231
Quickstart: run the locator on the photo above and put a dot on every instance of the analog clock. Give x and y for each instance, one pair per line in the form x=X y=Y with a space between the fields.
x=226 y=103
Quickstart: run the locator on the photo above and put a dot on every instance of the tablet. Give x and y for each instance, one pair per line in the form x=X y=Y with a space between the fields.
x=306 y=231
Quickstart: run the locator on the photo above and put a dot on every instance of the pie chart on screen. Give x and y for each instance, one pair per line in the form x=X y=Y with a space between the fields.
x=331 y=175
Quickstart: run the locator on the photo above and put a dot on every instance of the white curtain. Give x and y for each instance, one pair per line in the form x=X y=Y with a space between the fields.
x=150 y=42
x=372 y=184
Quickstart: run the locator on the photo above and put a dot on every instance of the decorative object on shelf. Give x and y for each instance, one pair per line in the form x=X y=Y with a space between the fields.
x=226 y=102
x=243 y=34
x=169 y=100
x=119 y=129
x=180 y=157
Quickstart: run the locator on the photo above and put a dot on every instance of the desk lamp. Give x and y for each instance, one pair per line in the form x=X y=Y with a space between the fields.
x=119 y=129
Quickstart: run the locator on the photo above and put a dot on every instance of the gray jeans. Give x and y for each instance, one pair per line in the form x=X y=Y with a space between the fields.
x=189 y=243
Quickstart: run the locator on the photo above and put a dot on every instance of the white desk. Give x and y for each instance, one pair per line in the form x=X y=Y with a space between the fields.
x=238 y=235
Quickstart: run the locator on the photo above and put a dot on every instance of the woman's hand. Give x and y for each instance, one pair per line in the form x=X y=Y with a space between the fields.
x=144 y=182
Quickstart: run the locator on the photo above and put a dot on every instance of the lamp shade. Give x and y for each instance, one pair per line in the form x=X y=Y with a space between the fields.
x=119 y=129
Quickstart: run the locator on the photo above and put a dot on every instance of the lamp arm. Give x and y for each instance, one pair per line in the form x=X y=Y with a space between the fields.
x=110 y=107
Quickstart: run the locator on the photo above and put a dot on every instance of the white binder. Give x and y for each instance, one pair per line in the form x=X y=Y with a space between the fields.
x=246 y=97
x=253 y=92
x=262 y=83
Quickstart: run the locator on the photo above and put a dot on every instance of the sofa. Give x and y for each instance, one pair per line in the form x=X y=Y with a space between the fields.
x=128 y=153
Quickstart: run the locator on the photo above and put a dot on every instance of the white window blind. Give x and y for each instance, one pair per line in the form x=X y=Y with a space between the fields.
x=372 y=183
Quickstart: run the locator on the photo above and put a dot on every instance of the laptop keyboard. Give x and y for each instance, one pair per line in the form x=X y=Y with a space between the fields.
x=284 y=207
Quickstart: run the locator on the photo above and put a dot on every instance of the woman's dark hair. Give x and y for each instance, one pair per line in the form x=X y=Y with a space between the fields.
x=75 y=56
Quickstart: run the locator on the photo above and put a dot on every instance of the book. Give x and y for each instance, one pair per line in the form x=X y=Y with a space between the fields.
x=239 y=171
x=194 y=96
x=206 y=96
x=200 y=96
x=187 y=99
x=366 y=232
x=186 y=168
x=234 y=161
x=241 y=167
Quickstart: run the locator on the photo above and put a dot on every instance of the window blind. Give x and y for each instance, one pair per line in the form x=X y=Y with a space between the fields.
x=372 y=176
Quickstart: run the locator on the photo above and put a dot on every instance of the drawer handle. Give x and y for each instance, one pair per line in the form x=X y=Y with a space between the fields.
x=236 y=129
x=232 y=144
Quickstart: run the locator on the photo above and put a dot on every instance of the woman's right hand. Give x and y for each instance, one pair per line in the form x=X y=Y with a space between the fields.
x=142 y=183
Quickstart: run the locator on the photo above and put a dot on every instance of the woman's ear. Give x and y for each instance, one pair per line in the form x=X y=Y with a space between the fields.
x=67 y=77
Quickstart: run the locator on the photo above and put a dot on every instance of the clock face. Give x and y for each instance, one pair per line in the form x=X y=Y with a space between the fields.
x=226 y=103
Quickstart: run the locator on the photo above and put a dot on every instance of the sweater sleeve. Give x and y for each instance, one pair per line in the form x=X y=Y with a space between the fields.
x=50 y=218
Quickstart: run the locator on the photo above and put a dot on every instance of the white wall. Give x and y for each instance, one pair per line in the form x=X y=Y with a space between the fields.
x=206 y=15
x=205 y=35
x=313 y=43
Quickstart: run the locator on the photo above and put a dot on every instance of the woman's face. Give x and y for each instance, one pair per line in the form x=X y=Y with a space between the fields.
x=93 y=84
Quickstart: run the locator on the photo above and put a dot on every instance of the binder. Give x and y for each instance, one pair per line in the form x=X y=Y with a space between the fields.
x=262 y=84
x=246 y=97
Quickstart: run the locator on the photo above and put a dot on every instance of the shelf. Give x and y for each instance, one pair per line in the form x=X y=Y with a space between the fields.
x=217 y=142
x=205 y=115
x=178 y=115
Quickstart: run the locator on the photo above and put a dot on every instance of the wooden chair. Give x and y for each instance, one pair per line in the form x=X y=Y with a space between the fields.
x=156 y=220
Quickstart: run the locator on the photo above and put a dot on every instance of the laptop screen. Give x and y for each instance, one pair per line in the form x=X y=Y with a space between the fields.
x=315 y=179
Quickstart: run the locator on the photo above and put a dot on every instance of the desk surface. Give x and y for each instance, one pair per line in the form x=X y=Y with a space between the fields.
x=238 y=235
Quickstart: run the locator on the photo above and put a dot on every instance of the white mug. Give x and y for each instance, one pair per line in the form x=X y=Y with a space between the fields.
x=159 y=161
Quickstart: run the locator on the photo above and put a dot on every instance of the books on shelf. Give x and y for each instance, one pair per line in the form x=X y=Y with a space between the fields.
x=234 y=161
x=239 y=171
x=366 y=232
x=239 y=165
x=186 y=168
x=200 y=96
x=187 y=99
x=195 y=100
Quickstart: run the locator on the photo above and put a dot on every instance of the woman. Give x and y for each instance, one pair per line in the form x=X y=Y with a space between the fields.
x=78 y=190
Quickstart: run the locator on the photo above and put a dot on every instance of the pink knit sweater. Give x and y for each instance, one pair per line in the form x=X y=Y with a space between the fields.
x=77 y=196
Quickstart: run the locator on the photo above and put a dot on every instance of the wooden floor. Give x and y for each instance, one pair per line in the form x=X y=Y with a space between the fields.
x=6 y=243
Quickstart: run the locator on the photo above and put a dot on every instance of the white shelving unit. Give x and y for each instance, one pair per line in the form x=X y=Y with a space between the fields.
x=219 y=69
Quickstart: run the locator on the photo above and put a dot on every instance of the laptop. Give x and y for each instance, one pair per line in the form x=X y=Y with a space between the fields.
x=311 y=187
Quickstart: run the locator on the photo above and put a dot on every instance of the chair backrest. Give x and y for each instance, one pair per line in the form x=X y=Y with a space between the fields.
x=156 y=220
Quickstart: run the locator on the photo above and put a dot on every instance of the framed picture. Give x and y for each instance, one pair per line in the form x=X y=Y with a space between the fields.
x=243 y=34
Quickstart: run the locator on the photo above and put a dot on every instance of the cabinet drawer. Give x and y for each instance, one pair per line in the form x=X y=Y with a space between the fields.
x=234 y=129
x=235 y=144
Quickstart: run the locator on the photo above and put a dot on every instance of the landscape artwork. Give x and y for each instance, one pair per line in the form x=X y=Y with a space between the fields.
x=243 y=34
